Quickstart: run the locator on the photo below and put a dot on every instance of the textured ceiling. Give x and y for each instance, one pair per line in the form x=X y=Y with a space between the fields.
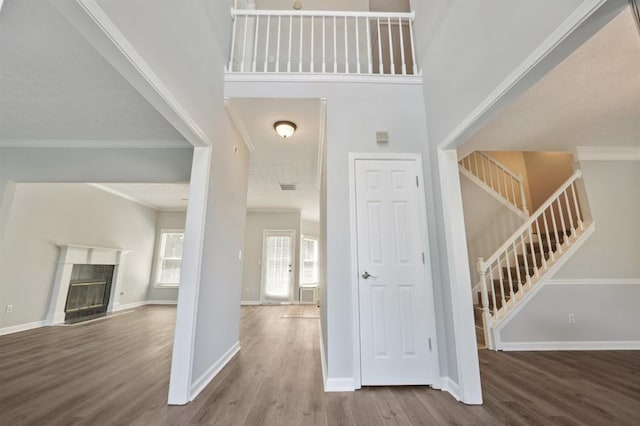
x=160 y=196
x=275 y=160
x=590 y=99
x=55 y=86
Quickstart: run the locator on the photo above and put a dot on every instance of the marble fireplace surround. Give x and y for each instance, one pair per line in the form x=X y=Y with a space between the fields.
x=72 y=254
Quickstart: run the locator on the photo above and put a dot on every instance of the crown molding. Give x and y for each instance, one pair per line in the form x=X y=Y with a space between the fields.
x=239 y=125
x=42 y=143
x=607 y=153
x=105 y=36
x=321 y=141
x=517 y=76
x=121 y=195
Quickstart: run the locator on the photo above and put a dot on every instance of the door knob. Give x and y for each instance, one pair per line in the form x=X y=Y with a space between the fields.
x=367 y=275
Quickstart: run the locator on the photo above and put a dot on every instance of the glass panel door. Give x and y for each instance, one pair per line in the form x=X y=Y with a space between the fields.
x=277 y=266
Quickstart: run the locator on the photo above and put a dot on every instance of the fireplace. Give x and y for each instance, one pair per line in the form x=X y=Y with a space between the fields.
x=89 y=292
x=87 y=283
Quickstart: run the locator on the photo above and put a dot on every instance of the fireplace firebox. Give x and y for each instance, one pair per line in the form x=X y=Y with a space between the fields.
x=89 y=291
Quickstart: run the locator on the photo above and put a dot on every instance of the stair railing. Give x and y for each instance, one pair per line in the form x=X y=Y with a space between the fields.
x=322 y=42
x=528 y=252
x=498 y=178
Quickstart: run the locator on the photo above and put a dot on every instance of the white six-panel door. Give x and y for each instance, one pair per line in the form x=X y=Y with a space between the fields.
x=393 y=285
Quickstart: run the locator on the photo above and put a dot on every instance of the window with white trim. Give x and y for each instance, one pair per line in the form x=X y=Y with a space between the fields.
x=170 y=257
x=310 y=273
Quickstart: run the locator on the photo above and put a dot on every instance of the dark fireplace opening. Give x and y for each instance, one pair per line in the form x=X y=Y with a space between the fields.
x=89 y=292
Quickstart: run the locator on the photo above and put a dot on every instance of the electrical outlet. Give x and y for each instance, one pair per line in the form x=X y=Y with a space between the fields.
x=9 y=309
x=572 y=319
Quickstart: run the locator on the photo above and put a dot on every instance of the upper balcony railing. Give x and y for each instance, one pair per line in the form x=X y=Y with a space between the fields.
x=322 y=42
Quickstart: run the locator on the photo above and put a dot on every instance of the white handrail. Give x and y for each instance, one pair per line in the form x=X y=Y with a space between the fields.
x=498 y=178
x=327 y=13
x=524 y=256
x=535 y=216
x=324 y=42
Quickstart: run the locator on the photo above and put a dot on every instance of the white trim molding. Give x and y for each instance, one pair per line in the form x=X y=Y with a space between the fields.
x=162 y=302
x=239 y=125
x=21 y=327
x=117 y=193
x=132 y=305
x=194 y=134
x=627 y=345
x=607 y=153
x=579 y=15
x=322 y=139
x=213 y=371
x=45 y=143
x=449 y=385
x=256 y=77
x=339 y=384
x=250 y=303
x=595 y=281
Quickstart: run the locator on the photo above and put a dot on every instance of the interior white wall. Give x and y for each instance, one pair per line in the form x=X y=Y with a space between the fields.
x=257 y=223
x=612 y=252
x=166 y=220
x=377 y=106
x=488 y=223
x=467 y=50
x=195 y=40
x=218 y=308
x=600 y=284
x=43 y=215
x=606 y=315
x=310 y=228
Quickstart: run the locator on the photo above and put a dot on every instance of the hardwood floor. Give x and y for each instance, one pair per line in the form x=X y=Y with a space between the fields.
x=116 y=372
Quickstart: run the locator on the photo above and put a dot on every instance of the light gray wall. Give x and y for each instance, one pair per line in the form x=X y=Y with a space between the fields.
x=195 y=41
x=218 y=313
x=466 y=50
x=488 y=223
x=257 y=223
x=166 y=220
x=43 y=215
x=603 y=313
x=613 y=251
x=310 y=228
x=377 y=107
x=605 y=309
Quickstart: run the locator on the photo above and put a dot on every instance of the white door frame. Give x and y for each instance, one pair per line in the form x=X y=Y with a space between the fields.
x=355 y=294
x=292 y=233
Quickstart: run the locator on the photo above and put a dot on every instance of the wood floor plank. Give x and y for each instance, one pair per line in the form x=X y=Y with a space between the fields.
x=116 y=371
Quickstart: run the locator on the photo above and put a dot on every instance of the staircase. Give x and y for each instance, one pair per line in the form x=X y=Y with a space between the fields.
x=517 y=270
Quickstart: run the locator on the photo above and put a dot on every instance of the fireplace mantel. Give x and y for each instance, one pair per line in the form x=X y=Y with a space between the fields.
x=74 y=254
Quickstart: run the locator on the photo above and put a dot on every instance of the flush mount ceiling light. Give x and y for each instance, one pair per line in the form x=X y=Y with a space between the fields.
x=285 y=128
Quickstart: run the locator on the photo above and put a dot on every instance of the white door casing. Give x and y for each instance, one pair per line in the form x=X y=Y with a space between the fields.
x=278 y=257
x=395 y=302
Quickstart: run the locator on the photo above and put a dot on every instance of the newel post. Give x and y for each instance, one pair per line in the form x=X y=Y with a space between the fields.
x=486 y=314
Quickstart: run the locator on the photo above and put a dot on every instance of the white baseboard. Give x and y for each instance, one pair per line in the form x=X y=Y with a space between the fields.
x=21 y=327
x=162 y=302
x=250 y=303
x=339 y=384
x=117 y=308
x=332 y=384
x=629 y=345
x=213 y=371
x=448 y=385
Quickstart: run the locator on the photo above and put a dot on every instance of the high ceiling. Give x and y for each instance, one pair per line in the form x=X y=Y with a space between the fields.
x=590 y=99
x=276 y=161
x=54 y=86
